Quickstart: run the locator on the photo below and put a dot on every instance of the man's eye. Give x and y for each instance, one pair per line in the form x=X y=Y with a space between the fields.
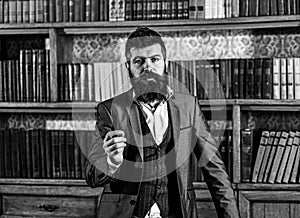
x=154 y=60
x=138 y=62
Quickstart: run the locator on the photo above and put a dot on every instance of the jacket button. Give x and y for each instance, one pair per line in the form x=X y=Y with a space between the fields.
x=132 y=202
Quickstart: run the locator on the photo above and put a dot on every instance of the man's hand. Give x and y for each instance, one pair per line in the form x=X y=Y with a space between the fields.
x=114 y=144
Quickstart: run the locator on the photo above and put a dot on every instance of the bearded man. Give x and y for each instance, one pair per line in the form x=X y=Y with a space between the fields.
x=143 y=141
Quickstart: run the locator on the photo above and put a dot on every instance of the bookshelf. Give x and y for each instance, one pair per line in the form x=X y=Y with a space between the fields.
x=57 y=196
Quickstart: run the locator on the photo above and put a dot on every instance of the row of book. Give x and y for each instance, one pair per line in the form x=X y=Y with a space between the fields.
x=26 y=79
x=277 y=157
x=226 y=150
x=42 y=153
x=39 y=11
x=31 y=11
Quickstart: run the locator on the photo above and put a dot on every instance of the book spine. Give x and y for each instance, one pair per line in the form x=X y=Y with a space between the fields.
x=259 y=156
x=246 y=154
x=88 y=10
x=55 y=153
x=287 y=7
x=52 y=11
x=208 y=10
x=1 y=11
x=39 y=8
x=285 y=157
x=266 y=157
x=70 y=154
x=297 y=77
x=296 y=143
x=221 y=8
x=47 y=75
x=273 y=8
x=13 y=83
x=71 y=81
x=66 y=81
x=35 y=154
x=290 y=78
x=276 y=78
x=264 y=8
x=48 y=150
x=214 y=9
x=62 y=154
x=34 y=76
x=9 y=80
x=293 y=6
x=77 y=16
x=250 y=79
x=192 y=9
x=280 y=7
x=43 y=153
x=278 y=156
x=46 y=11
x=254 y=7
x=241 y=78
x=291 y=159
x=77 y=85
x=244 y=8
x=283 y=76
x=154 y=9
x=32 y=17
x=77 y=152
x=113 y=10
x=1 y=81
x=271 y=156
x=12 y=11
x=22 y=147
x=267 y=79
x=58 y=10
x=228 y=5
x=159 y=9
x=6 y=11
x=138 y=6
x=65 y=10
x=235 y=8
x=174 y=10
x=15 y=154
x=7 y=149
x=71 y=11
x=128 y=10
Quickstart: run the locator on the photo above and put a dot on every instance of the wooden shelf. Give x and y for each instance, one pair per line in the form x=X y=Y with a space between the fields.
x=163 y=25
x=47 y=107
x=265 y=186
x=25 y=181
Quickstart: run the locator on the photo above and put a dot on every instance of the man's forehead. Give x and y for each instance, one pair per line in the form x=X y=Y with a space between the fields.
x=154 y=49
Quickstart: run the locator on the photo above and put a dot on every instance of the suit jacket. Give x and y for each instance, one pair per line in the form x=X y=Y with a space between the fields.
x=190 y=134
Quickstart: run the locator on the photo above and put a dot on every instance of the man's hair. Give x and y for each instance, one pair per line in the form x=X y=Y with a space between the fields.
x=143 y=37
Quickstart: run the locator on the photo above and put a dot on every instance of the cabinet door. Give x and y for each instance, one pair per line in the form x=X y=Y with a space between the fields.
x=269 y=204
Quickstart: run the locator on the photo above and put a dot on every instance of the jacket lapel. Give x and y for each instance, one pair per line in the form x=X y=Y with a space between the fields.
x=134 y=120
x=175 y=120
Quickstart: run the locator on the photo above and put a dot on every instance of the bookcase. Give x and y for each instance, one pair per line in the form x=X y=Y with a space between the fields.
x=43 y=119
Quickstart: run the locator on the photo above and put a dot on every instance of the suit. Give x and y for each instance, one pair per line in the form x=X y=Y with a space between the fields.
x=190 y=134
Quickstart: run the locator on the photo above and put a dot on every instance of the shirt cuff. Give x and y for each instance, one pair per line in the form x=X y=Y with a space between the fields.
x=111 y=166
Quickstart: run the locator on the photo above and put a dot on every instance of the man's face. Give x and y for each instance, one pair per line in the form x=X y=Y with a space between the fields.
x=147 y=59
x=147 y=67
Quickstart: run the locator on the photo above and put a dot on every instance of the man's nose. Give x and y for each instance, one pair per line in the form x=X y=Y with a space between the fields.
x=147 y=63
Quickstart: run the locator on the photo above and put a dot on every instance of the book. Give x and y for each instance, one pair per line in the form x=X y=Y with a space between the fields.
x=1 y=11
x=254 y=6
x=297 y=77
x=70 y=159
x=121 y=10
x=266 y=157
x=35 y=154
x=276 y=78
x=15 y=154
x=43 y=154
x=48 y=150
x=128 y=10
x=46 y=11
x=185 y=9
x=55 y=154
x=271 y=156
x=235 y=78
x=241 y=78
x=244 y=8
x=221 y=8
x=287 y=7
x=249 y=79
x=278 y=156
x=28 y=147
x=2 y=155
x=295 y=169
x=62 y=153
x=113 y=10
x=273 y=7
x=284 y=160
x=200 y=9
x=22 y=148
x=214 y=9
x=71 y=11
x=6 y=11
x=290 y=78
x=32 y=17
x=260 y=154
x=258 y=78
x=264 y=7
x=235 y=8
x=291 y=158
x=77 y=151
x=280 y=6
x=12 y=13
x=39 y=11
x=267 y=79
x=88 y=10
x=8 y=153
x=77 y=14
x=228 y=6
x=65 y=10
x=192 y=9
x=283 y=77
x=208 y=10
x=246 y=154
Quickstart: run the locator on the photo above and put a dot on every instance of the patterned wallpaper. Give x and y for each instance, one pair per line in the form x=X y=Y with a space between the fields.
x=193 y=45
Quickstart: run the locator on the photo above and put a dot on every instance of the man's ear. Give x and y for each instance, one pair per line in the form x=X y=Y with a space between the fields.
x=127 y=65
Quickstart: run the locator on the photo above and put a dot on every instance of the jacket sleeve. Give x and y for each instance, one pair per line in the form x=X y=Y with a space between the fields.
x=213 y=169
x=96 y=169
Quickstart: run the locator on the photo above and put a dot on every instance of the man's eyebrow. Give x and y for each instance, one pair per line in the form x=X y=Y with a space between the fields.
x=152 y=56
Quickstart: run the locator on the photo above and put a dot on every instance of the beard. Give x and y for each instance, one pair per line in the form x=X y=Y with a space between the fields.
x=150 y=86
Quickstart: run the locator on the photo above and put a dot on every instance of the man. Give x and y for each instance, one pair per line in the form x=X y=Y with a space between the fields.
x=143 y=142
